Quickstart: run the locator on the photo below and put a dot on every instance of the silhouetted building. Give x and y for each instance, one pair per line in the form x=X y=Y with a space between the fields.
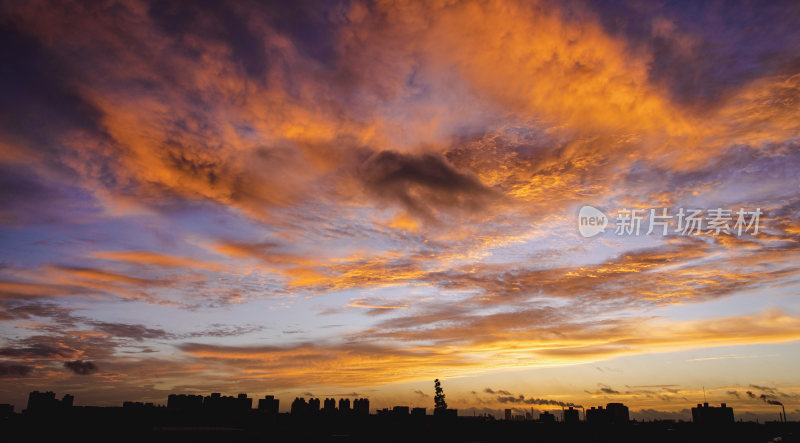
x=614 y=413
x=313 y=405
x=6 y=410
x=441 y=412
x=617 y=413
x=185 y=421
x=571 y=416
x=361 y=406
x=213 y=401
x=47 y=402
x=184 y=402
x=299 y=406
x=244 y=402
x=137 y=405
x=596 y=415
x=400 y=411
x=227 y=403
x=329 y=405
x=344 y=405
x=268 y=404
x=710 y=415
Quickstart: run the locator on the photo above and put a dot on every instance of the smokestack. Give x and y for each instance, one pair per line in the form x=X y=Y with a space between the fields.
x=769 y=401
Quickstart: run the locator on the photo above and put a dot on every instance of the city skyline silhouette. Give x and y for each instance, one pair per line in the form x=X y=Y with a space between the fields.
x=234 y=418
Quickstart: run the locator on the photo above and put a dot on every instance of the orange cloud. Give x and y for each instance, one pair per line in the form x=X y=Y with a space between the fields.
x=152 y=258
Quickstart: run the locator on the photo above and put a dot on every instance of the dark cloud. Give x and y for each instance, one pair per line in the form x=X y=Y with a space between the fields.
x=12 y=310
x=312 y=25
x=220 y=330
x=132 y=331
x=605 y=390
x=608 y=390
x=27 y=198
x=35 y=92
x=141 y=351
x=38 y=351
x=763 y=388
x=81 y=367
x=216 y=21
x=703 y=50
x=195 y=165
x=56 y=343
x=424 y=184
x=13 y=370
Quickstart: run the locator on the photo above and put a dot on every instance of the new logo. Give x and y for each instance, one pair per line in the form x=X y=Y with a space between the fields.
x=591 y=221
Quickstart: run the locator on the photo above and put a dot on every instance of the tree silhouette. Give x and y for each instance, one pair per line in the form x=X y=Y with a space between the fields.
x=439 y=398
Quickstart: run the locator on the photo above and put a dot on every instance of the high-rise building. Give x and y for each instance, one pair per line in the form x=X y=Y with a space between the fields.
x=361 y=406
x=571 y=416
x=299 y=406
x=185 y=402
x=243 y=402
x=596 y=415
x=227 y=403
x=710 y=415
x=269 y=404
x=617 y=413
x=313 y=405
x=614 y=413
x=47 y=402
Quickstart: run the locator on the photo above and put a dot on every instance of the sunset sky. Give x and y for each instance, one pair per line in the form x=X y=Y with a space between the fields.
x=354 y=198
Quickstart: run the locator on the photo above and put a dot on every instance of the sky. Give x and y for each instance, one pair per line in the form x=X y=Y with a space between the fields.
x=352 y=199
